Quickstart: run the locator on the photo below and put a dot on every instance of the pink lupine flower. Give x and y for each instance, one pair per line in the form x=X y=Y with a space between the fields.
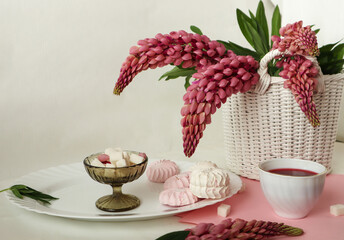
x=232 y=74
x=177 y=48
x=220 y=73
x=300 y=73
x=297 y=39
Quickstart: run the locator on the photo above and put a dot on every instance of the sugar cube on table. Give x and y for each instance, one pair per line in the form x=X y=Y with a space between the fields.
x=223 y=210
x=136 y=159
x=337 y=209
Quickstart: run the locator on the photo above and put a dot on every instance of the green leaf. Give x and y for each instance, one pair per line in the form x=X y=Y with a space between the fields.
x=248 y=27
x=317 y=30
x=196 y=30
x=333 y=63
x=19 y=186
x=177 y=72
x=262 y=22
x=242 y=18
x=338 y=51
x=331 y=58
x=328 y=47
x=258 y=44
x=275 y=22
x=240 y=50
x=16 y=193
x=179 y=235
x=333 y=67
x=253 y=18
x=187 y=82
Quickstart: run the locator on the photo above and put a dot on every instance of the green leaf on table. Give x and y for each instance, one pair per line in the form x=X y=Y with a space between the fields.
x=196 y=30
x=177 y=72
x=179 y=235
x=275 y=22
x=21 y=191
x=16 y=193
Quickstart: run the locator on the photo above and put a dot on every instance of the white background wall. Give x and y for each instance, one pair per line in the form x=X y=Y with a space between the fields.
x=59 y=61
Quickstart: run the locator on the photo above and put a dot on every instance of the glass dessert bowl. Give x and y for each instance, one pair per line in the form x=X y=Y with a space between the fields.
x=116 y=177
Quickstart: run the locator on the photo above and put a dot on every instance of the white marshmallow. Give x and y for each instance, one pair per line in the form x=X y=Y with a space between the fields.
x=203 y=165
x=115 y=156
x=126 y=156
x=337 y=209
x=121 y=163
x=110 y=165
x=95 y=162
x=108 y=151
x=223 y=210
x=136 y=159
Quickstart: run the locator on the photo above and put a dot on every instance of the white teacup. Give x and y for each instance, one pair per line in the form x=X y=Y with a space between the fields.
x=292 y=196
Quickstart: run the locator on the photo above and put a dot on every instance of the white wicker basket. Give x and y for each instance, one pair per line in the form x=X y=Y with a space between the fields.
x=268 y=123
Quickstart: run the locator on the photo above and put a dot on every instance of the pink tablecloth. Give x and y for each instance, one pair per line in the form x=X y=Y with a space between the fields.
x=251 y=204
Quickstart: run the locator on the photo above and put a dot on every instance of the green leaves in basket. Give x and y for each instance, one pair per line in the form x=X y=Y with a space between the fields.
x=275 y=23
x=255 y=30
x=21 y=191
x=331 y=58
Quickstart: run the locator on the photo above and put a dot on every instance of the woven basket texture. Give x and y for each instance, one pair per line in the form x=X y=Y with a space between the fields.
x=259 y=127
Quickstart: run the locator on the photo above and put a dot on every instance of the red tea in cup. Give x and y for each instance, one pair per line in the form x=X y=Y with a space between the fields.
x=293 y=172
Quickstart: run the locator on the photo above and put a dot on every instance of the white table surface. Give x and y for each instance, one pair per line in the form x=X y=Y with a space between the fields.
x=17 y=223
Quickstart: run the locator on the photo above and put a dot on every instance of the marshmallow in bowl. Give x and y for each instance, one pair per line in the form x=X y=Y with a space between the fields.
x=95 y=162
x=136 y=159
x=121 y=163
x=117 y=158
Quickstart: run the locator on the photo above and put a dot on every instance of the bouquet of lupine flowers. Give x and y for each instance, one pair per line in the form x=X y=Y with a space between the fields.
x=219 y=69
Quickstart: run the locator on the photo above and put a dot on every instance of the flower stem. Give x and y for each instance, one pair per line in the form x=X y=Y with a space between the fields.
x=5 y=190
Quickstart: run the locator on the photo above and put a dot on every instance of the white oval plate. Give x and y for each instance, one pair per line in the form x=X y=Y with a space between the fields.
x=77 y=194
